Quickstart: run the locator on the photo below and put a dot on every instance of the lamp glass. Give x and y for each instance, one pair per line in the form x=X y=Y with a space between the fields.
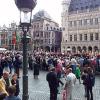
x=25 y=17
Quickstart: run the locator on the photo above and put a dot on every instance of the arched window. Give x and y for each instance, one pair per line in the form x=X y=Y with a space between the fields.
x=89 y=48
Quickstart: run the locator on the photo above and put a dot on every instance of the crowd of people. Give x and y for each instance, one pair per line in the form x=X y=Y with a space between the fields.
x=76 y=68
x=9 y=87
x=80 y=67
x=9 y=83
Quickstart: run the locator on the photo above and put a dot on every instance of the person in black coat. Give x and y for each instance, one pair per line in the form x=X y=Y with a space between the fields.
x=90 y=81
x=30 y=61
x=86 y=62
x=44 y=65
x=17 y=64
x=36 y=69
x=53 y=83
x=15 y=82
x=83 y=77
x=4 y=63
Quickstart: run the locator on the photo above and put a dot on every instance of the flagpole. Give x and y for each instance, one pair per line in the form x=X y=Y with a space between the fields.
x=14 y=40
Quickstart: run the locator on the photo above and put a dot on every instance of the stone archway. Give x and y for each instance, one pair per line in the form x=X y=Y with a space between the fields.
x=90 y=48
x=79 y=48
x=68 y=49
x=53 y=48
x=74 y=49
x=84 y=48
x=95 y=48
x=47 y=48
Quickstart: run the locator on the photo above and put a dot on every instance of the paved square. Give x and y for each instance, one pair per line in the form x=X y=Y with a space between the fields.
x=39 y=90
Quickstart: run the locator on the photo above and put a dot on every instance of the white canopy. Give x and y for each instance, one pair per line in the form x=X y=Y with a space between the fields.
x=3 y=49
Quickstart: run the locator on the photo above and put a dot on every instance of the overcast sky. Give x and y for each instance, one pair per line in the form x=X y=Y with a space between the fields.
x=10 y=13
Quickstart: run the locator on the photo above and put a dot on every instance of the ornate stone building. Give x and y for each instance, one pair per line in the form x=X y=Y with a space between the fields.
x=3 y=37
x=81 y=25
x=10 y=37
x=46 y=33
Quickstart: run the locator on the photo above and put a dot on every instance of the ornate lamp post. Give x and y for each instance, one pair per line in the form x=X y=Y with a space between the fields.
x=25 y=7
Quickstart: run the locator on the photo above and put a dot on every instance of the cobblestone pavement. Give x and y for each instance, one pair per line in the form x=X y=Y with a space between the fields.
x=39 y=90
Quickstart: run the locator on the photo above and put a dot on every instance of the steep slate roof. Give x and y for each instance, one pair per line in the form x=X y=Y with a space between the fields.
x=83 y=4
x=41 y=14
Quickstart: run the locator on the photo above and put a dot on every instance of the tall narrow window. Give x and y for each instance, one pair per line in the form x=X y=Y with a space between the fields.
x=85 y=21
x=47 y=28
x=75 y=37
x=52 y=41
x=80 y=36
x=49 y=41
x=91 y=37
x=37 y=25
x=34 y=26
x=80 y=22
x=70 y=37
x=52 y=34
x=85 y=37
x=75 y=23
x=96 y=36
x=2 y=41
x=96 y=20
x=91 y=21
x=49 y=34
x=70 y=23
x=41 y=34
x=45 y=35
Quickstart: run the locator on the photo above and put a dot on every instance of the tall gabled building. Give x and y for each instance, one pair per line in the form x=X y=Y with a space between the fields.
x=46 y=32
x=81 y=25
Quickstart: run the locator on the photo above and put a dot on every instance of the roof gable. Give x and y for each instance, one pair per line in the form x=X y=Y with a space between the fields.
x=42 y=15
x=83 y=4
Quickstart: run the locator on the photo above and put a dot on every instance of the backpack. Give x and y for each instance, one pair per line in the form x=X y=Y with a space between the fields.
x=92 y=77
x=90 y=80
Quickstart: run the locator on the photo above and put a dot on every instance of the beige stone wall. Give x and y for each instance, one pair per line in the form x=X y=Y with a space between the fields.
x=48 y=37
x=77 y=29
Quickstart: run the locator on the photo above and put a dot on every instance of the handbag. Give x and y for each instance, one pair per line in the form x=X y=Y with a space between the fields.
x=64 y=95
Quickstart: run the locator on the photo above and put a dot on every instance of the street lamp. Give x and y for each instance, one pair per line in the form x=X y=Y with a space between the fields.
x=25 y=7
